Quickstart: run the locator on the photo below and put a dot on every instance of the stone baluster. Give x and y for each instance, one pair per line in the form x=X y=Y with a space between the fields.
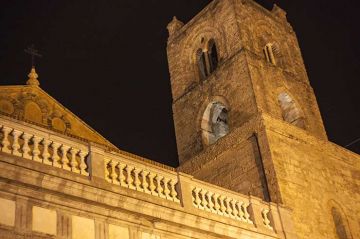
x=129 y=178
x=5 y=143
x=107 y=170
x=36 y=152
x=217 y=205
x=228 y=207
x=173 y=193
x=266 y=220
x=241 y=211
x=83 y=166
x=204 y=202
x=152 y=185
x=55 y=156
x=197 y=200
x=137 y=181
x=114 y=175
x=222 y=206
x=166 y=188
x=122 y=177
x=235 y=209
x=45 y=153
x=15 y=145
x=211 y=204
x=144 y=182
x=73 y=162
x=246 y=213
x=64 y=159
x=159 y=187
x=25 y=148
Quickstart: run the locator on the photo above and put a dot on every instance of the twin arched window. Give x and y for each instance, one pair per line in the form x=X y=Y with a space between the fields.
x=207 y=59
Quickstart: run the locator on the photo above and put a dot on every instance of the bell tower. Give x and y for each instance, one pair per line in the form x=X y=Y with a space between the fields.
x=232 y=65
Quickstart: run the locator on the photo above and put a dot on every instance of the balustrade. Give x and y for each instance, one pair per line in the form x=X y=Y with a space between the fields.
x=141 y=180
x=53 y=151
x=43 y=150
x=220 y=204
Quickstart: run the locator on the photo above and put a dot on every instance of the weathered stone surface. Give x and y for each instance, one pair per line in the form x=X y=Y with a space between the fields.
x=44 y=220
x=83 y=228
x=118 y=232
x=7 y=212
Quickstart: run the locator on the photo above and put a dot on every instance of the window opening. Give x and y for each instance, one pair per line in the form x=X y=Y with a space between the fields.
x=213 y=56
x=201 y=62
x=339 y=224
x=269 y=50
x=291 y=113
x=214 y=123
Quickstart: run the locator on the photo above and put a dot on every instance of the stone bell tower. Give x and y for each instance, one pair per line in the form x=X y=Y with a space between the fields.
x=232 y=63
x=246 y=117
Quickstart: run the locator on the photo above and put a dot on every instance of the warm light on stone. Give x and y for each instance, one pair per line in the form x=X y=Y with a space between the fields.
x=255 y=160
x=44 y=220
x=7 y=212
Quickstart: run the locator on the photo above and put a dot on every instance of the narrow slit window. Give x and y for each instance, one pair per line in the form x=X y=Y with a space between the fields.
x=213 y=56
x=201 y=62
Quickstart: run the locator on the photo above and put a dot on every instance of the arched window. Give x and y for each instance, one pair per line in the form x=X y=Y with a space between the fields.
x=214 y=123
x=340 y=227
x=290 y=111
x=207 y=59
x=213 y=56
x=201 y=62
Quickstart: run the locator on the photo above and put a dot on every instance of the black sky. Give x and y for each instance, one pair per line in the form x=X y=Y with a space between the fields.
x=106 y=62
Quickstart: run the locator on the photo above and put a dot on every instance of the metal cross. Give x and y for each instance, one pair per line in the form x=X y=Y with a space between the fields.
x=34 y=53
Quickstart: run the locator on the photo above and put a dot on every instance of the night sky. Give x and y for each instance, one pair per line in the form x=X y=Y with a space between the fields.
x=106 y=62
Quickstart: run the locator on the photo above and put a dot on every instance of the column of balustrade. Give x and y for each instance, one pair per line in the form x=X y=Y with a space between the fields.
x=5 y=142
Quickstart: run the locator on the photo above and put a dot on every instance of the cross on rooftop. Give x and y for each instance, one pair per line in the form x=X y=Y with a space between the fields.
x=34 y=53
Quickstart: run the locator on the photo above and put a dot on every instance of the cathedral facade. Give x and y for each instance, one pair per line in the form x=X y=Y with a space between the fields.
x=255 y=160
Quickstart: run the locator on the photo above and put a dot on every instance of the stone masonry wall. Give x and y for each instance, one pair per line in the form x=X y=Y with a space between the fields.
x=231 y=85
x=269 y=82
x=314 y=176
x=235 y=162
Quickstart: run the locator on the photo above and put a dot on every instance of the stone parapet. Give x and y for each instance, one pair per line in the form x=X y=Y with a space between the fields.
x=61 y=173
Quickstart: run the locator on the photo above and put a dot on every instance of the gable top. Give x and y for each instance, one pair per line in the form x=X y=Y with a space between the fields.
x=29 y=103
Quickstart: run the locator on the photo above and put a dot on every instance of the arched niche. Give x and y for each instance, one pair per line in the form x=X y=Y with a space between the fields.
x=214 y=123
x=339 y=221
x=32 y=112
x=291 y=112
